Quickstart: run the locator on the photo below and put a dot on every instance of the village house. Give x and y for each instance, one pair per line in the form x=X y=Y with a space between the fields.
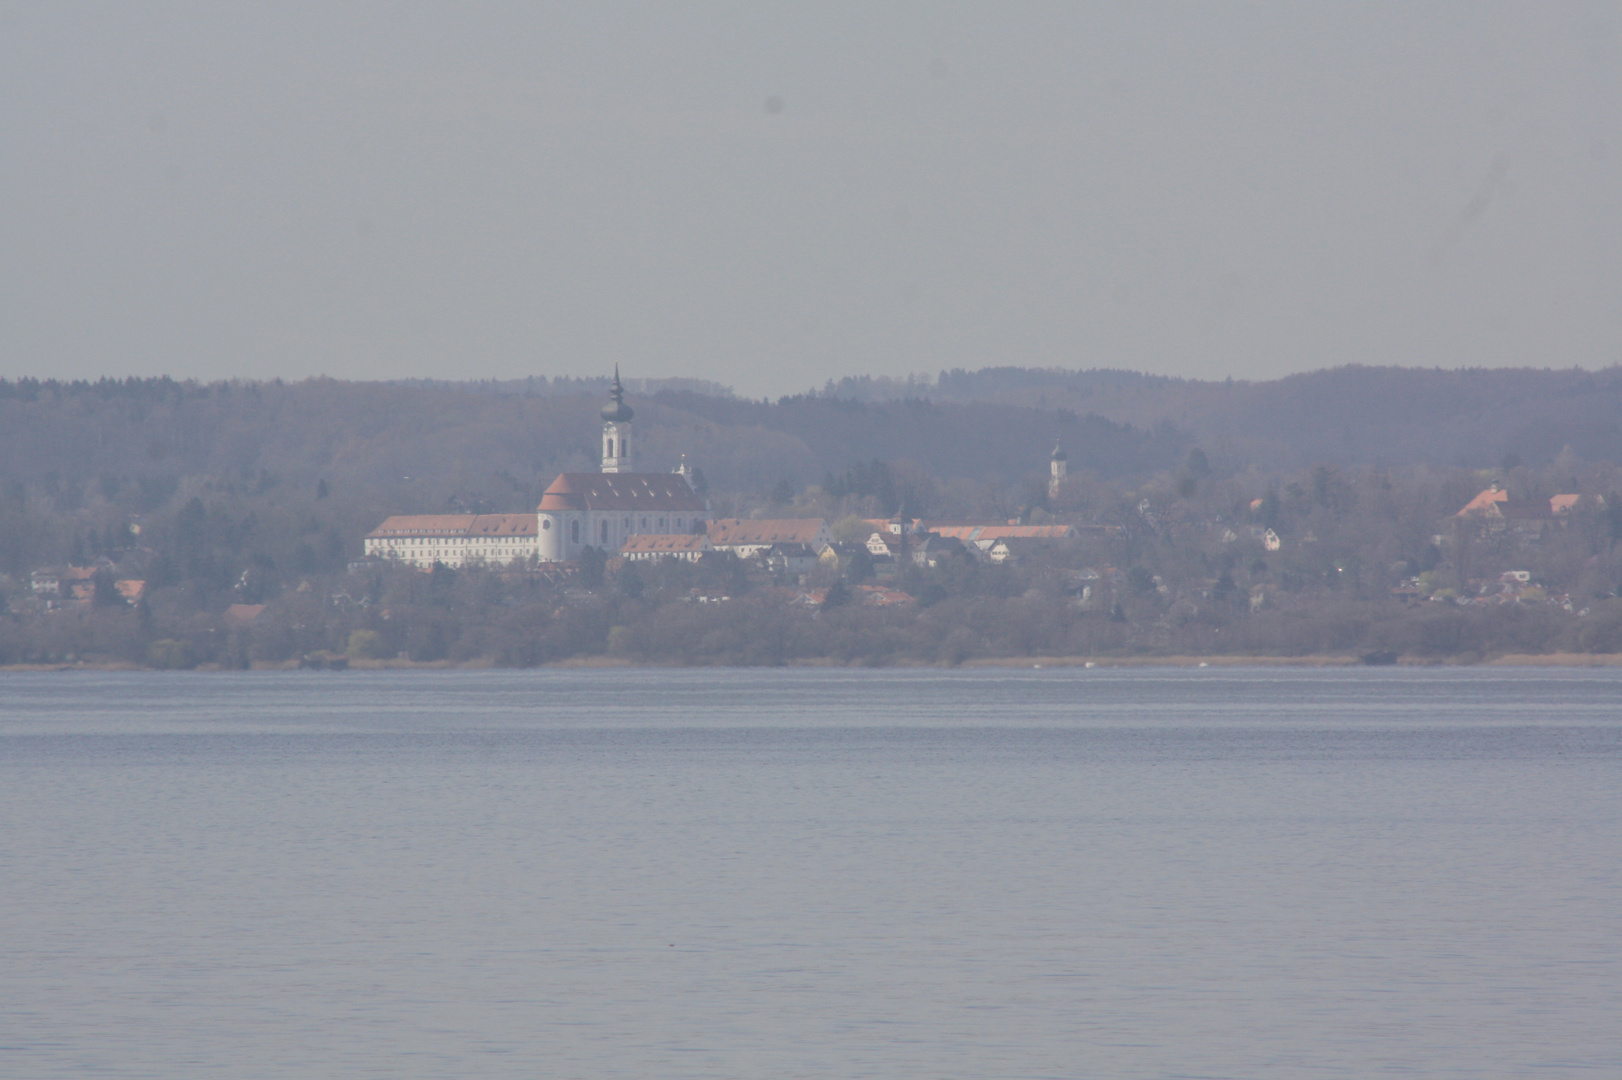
x=1526 y=519
x=1270 y=540
x=789 y=559
x=932 y=549
x=1008 y=549
x=902 y=542
x=983 y=537
x=1494 y=503
x=654 y=547
x=77 y=585
x=841 y=557
x=455 y=540
x=746 y=538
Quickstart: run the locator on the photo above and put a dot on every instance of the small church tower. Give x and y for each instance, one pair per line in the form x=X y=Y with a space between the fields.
x=1056 y=466
x=617 y=429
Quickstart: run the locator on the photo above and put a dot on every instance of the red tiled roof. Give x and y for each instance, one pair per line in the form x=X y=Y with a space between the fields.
x=503 y=525
x=475 y=525
x=665 y=543
x=1484 y=500
x=765 y=531
x=1564 y=504
x=424 y=525
x=1495 y=502
x=621 y=491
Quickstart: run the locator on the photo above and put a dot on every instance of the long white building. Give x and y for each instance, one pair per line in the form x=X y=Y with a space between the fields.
x=579 y=510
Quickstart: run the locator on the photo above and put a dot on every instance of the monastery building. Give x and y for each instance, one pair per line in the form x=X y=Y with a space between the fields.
x=579 y=510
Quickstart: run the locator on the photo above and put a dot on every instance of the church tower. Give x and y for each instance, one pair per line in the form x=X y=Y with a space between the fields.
x=617 y=429
x=1056 y=466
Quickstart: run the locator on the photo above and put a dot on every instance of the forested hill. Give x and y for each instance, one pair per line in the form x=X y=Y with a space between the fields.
x=394 y=447
x=140 y=446
x=1346 y=416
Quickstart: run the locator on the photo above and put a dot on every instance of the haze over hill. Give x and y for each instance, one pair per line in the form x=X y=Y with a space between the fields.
x=396 y=447
x=1346 y=415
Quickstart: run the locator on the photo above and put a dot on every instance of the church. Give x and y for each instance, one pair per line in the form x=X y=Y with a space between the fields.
x=579 y=510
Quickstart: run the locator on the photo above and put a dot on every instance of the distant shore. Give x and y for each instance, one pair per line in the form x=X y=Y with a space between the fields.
x=1575 y=660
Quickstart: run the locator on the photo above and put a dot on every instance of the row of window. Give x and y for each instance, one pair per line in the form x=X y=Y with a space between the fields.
x=603 y=530
x=478 y=553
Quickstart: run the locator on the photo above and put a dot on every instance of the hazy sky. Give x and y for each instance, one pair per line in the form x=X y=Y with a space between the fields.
x=770 y=195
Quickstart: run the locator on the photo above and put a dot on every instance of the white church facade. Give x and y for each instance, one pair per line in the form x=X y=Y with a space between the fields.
x=579 y=510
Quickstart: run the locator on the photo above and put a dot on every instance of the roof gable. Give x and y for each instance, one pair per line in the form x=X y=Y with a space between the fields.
x=1485 y=500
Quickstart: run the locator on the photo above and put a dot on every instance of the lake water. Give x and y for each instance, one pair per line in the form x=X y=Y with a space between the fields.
x=1062 y=873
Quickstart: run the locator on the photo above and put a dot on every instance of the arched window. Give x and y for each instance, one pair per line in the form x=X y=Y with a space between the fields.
x=605 y=532
x=625 y=446
x=546 y=523
x=574 y=532
x=610 y=447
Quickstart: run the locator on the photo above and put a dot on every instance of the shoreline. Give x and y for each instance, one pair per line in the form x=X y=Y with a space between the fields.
x=1508 y=660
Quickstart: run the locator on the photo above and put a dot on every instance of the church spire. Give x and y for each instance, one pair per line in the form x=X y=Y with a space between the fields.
x=616 y=428
x=616 y=411
x=1056 y=469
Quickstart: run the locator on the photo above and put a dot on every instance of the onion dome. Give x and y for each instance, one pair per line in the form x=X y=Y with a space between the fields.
x=616 y=411
x=1058 y=452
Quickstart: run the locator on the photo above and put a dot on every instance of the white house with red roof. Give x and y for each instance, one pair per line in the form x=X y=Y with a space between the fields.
x=1495 y=503
x=650 y=547
x=456 y=540
x=748 y=537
